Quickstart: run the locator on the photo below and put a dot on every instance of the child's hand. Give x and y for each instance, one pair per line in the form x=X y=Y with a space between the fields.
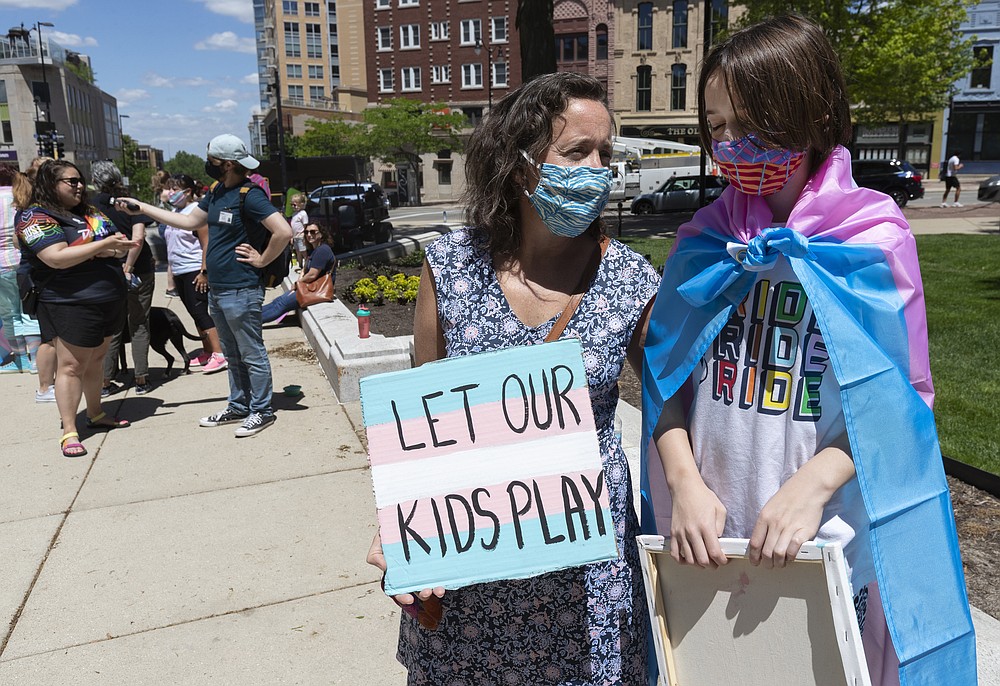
x=697 y=522
x=790 y=518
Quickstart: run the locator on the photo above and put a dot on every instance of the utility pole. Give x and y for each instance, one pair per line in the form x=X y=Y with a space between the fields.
x=121 y=139
x=276 y=89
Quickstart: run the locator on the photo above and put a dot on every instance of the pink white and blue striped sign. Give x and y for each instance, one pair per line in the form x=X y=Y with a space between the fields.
x=486 y=467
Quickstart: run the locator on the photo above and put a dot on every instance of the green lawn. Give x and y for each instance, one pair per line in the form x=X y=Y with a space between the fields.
x=962 y=285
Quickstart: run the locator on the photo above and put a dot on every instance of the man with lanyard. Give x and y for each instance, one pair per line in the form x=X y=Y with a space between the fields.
x=232 y=272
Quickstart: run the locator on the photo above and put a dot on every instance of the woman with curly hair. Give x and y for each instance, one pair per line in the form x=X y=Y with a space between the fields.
x=538 y=179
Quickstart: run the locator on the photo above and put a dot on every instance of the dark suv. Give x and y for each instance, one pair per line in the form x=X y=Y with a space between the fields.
x=354 y=212
x=896 y=178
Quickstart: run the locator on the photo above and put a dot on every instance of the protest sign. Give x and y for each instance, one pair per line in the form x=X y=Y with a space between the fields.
x=486 y=467
x=753 y=626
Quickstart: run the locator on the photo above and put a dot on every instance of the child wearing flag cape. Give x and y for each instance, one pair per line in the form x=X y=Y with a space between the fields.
x=786 y=389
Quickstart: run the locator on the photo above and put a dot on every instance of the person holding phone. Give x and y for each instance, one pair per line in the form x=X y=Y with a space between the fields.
x=74 y=254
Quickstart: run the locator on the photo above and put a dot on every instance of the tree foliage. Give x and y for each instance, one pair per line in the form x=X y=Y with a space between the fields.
x=184 y=162
x=901 y=58
x=139 y=174
x=399 y=131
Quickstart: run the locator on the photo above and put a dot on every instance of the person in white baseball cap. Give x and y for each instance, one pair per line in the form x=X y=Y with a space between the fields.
x=230 y=147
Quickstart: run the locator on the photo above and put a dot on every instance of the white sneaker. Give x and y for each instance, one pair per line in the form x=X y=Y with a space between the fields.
x=254 y=424
x=944 y=204
x=48 y=396
x=958 y=204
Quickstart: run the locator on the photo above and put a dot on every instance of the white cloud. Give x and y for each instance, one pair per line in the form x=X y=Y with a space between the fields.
x=227 y=105
x=250 y=79
x=222 y=93
x=72 y=40
x=227 y=40
x=54 y=5
x=127 y=96
x=156 y=81
x=196 y=81
x=240 y=9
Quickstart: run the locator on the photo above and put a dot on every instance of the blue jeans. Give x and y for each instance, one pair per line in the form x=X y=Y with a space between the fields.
x=285 y=302
x=236 y=312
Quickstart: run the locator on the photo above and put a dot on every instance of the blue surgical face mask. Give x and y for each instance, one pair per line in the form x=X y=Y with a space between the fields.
x=569 y=199
x=177 y=199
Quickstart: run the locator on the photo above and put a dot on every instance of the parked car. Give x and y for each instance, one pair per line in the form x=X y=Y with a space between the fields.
x=354 y=212
x=678 y=193
x=896 y=178
x=989 y=190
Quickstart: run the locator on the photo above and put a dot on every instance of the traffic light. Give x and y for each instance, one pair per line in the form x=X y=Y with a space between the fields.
x=60 y=147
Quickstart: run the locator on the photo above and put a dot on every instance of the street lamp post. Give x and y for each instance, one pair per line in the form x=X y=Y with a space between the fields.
x=276 y=89
x=41 y=55
x=121 y=139
x=480 y=44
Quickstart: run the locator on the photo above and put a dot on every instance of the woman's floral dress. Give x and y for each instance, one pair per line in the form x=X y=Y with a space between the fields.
x=585 y=625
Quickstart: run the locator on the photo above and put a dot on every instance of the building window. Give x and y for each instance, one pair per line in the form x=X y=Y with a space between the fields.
x=444 y=174
x=500 y=74
x=498 y=30
x=719 y=20
x=293 y=71
x=441 y=74
x=472 y=31
x=644 y=32
x=311 y=9
x=316 y=93
x=315 y=71
x=289 y=7
x=409 y=78
x=678 y=87
x=409 y=3
x=571 y=48
x=292 y=46
x=680 y=24
x=409 y=36
x=982 y=66
x=472 y=76
x=6 y=134
x=602 y=42
x=439 y=30
x=383 y=4
x=314 y=41
x=296 y=94
x=384 y=38
x=643 y=88
x=385 y=84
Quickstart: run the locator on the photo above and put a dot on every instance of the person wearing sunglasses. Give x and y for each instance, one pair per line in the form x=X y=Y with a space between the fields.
x=320 y=261
x=74 y=253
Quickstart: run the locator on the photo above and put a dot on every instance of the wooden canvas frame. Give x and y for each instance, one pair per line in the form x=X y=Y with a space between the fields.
x=753 y=626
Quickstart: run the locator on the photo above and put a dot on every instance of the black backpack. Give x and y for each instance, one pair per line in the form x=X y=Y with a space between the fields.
x=272 y=274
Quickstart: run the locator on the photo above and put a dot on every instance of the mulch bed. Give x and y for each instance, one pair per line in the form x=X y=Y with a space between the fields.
x=977 y=513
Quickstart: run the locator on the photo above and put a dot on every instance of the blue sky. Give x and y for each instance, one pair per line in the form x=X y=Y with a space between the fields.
x=182 y=70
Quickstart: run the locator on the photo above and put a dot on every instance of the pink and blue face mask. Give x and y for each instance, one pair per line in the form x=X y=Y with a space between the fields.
x=754 y=169
x=569 y=199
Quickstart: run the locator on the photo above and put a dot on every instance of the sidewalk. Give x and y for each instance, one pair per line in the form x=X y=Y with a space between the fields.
x=174 y=554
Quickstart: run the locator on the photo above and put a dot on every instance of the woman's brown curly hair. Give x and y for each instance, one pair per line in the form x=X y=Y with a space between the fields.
x=43 y=193
x=495 y=170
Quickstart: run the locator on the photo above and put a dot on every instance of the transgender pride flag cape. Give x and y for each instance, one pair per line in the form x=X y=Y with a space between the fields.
x=855 y=257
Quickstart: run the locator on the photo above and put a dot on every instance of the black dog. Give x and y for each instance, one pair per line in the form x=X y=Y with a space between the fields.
x=165 y=326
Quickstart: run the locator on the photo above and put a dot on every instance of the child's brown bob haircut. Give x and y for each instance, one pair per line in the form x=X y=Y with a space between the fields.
x=786 y=86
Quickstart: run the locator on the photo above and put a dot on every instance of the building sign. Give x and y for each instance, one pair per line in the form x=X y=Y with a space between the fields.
x=670 y=133
x=8 y=155
x=486 y=467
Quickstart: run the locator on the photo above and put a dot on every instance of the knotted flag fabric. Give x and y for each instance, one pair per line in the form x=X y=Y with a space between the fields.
x=856 y=260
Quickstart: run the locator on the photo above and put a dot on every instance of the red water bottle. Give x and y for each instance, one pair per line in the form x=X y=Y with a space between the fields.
x=364 y=321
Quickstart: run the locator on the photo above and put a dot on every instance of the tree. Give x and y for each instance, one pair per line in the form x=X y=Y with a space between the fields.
x=402 y=130
x=184 y=162
x=901 y=58
x=537 y=37
x=139 y=174
x=399 y=131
